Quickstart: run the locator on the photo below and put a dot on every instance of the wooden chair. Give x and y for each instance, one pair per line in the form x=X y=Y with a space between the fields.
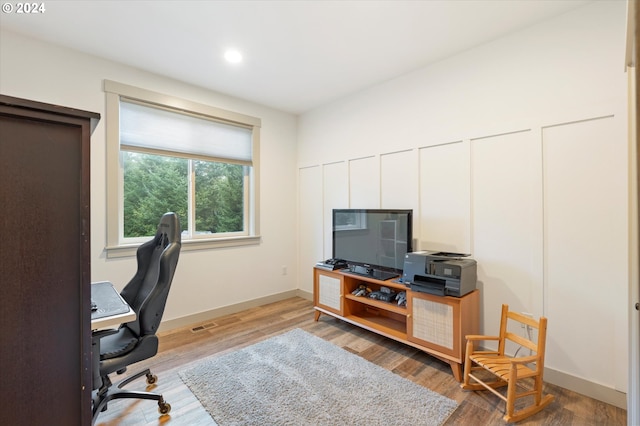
x=508 y=370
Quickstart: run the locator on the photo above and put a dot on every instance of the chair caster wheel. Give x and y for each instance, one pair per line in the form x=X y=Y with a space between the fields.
x=164 y=408
x=151 y=379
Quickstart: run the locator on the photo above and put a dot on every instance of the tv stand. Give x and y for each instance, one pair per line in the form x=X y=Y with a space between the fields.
x=434 y=324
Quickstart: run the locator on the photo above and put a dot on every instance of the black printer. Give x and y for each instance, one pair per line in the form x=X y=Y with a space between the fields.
x=440 y=273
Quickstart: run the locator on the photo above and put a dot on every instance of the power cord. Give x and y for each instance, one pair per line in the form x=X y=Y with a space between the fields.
x=528 y=328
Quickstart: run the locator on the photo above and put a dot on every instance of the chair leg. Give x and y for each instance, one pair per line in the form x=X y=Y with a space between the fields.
x=538 y=387
x=511 y=416
x=107 y=393
x=151 y=379
x=511 y=399
x=467 y=365
x=468 y=368
x=529 y=411
x=511 y=392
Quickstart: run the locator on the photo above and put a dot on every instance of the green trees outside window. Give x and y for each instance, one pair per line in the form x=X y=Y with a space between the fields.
x=155 y=184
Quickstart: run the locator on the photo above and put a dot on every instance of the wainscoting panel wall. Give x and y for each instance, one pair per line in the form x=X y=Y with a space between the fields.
x=335 y=195
x=445 y=196
x=583 y=280
x=528 y=205
x=364 y=183
x=507 y=224
x=399 y=181
x=310 y=231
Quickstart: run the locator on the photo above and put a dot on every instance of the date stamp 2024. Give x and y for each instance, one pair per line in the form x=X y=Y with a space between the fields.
x=23 y=8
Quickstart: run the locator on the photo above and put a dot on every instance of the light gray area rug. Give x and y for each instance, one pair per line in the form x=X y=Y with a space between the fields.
x=297 y=378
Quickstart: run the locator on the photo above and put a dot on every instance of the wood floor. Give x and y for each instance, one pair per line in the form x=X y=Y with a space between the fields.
x=179 y=348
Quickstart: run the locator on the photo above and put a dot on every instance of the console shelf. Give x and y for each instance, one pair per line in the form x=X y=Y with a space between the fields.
x=387 y=306
x=381 y=325
x=435 y=324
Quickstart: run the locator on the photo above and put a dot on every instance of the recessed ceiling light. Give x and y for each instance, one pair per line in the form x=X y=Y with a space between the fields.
x=233 y=56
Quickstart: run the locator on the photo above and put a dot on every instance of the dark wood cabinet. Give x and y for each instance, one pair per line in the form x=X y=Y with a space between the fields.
x=45 y=332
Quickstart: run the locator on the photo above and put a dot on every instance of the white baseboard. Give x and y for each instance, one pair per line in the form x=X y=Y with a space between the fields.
x=230 y=309
x=587 y=388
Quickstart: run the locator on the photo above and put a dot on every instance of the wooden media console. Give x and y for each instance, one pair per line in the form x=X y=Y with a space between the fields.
x=434 y=324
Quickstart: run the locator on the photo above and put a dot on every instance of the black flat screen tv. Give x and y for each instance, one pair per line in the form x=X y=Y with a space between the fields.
x=372 y=241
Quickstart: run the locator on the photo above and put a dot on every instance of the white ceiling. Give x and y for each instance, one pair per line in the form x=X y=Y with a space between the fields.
x=297 y=54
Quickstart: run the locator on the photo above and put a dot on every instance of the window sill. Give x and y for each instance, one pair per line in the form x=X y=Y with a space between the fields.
x=129 y=250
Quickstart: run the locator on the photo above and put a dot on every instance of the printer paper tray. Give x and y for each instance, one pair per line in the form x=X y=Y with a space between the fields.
x=435 y=289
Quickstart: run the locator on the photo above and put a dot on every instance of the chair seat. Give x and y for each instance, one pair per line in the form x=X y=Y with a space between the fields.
x=117 y=344
x=501 y=365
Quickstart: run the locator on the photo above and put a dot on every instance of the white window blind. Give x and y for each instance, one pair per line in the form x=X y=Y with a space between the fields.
x=159 y=129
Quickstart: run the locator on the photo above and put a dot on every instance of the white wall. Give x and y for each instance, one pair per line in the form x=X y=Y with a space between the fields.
x=205 y=279
x=515 y=151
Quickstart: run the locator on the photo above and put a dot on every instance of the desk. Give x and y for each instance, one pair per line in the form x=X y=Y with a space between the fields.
x=112 y=309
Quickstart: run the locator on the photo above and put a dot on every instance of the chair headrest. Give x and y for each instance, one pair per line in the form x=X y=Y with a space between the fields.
x=169 y=228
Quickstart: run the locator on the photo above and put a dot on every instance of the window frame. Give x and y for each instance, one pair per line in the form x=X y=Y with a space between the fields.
x=114 y=92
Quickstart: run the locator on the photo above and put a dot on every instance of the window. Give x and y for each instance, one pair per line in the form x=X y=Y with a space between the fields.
x=167 y=154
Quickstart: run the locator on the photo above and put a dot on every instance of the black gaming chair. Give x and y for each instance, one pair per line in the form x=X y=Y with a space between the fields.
x=135 y=341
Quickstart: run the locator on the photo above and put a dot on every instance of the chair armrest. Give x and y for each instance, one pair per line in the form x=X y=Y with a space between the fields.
x=507 y=360
x=479 y=337
x=524 y=360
